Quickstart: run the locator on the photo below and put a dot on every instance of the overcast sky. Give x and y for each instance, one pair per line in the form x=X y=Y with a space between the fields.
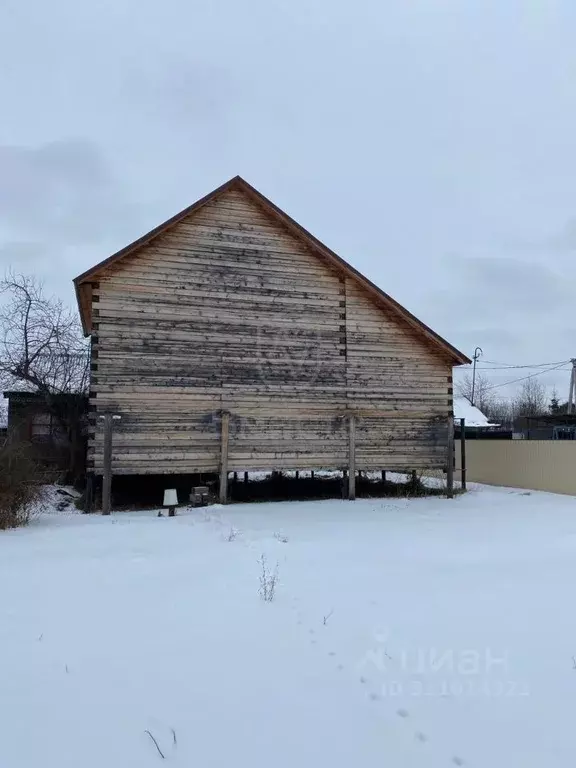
x=431 y=143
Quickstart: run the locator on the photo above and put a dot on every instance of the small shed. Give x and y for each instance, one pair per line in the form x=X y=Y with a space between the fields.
x=477 y=425
x=31 y=419
x=474 y=418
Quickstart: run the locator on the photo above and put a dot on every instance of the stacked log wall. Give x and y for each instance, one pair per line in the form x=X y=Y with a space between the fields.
x=229 y=312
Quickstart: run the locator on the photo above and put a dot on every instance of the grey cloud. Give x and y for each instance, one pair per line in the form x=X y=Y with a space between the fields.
x=512 y=285
x=23 y=255
x=504 y=339
x=63 y=194
x=35 y=182
x=566 y=239
x=497 y=292
x=181 y=89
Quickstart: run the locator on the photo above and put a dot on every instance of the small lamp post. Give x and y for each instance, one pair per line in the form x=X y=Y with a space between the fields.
x=170 y=501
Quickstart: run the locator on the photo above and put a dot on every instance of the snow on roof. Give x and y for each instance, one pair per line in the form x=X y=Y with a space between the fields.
x=463 y=409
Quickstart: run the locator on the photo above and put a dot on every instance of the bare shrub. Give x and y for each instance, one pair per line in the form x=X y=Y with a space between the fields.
x=268 y=580
x=20 y=485
x=431 y=482
x=327 y=617
x=232 y=534
x=281 y=537
x=415 y=485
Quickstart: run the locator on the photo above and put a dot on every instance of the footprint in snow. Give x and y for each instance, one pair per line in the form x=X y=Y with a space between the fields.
x=421 y=737
x=374 y=696
x=402 y=713
x=457 y=760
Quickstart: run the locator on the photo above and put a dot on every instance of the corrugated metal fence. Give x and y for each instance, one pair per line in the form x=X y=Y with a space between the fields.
x=540 y=465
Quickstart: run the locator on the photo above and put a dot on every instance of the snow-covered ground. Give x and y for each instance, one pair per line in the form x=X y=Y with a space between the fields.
x=403 y=633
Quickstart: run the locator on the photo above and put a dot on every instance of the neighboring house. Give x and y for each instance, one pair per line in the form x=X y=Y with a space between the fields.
x=229 y=339
x=477 y=425
x=550 y=426
x=32 y=421
x=463 y=409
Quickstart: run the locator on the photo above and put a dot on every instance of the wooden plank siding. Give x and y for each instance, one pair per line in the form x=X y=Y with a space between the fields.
x=230 y=312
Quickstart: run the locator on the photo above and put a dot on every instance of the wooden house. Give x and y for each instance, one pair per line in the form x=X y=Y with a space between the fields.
x=229 y=338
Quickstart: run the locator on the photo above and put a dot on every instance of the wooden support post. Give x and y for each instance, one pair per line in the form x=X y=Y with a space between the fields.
x=450 y=458
x=245 y=477
x=383 y=475
x=311 y=474
x=414 y=476
x=344 y=484
x=235 y=477
x=107 y=473
x=352 y=457
x=297 y=475
x=463 y=454
x=89 y=493
x=224 y=458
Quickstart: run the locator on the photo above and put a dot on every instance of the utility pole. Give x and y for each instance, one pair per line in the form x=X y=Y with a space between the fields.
x=572 y=392
x=477 y=353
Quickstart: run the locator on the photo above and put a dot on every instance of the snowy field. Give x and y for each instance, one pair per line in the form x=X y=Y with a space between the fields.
x=402 y=633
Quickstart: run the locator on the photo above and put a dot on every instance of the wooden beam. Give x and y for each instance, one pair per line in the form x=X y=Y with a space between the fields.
x=89 y=492
x=224 y=457
x=463 y=453
x=107 y=475
x=450 y=459
x=352 y=457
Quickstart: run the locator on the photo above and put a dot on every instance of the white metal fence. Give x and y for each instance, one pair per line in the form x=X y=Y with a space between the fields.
x=540 y=465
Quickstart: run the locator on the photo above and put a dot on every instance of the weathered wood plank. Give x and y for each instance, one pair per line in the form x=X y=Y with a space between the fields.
x=229 y=311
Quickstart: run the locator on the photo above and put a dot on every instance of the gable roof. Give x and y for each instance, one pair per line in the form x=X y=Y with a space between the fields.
x=83 y=283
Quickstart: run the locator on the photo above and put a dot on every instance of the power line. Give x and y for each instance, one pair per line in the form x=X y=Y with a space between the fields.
x=518 y=367
x=523 y=378
x=504 y=366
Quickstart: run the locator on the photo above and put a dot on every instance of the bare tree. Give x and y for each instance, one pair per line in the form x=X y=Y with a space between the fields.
x=42 y=350
x=500 y=411
x=41 y=343
x=482 y=390
x=532 y=399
